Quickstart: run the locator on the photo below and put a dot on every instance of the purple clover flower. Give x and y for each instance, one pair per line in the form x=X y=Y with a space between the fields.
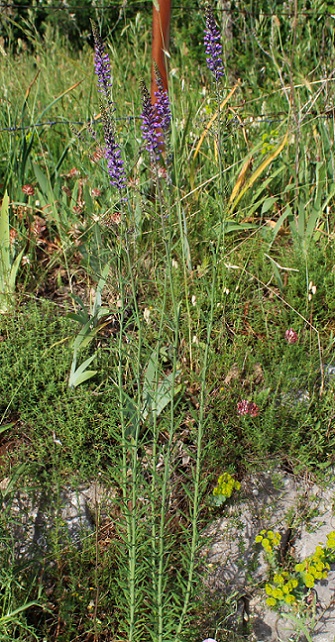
x=151 y=126
x=101 y=63
x=113 y=154
x=291 y=336
x=212 y=41
x=245 y=407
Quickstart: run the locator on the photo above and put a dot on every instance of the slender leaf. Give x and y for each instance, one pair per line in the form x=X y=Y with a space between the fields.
x=80 y=375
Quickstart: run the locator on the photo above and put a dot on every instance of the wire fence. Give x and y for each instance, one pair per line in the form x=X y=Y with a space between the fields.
x=53 y=123
x=248 y=120
x=289 y=13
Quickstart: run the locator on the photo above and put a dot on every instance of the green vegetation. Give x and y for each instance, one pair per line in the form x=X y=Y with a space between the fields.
x=167 y=344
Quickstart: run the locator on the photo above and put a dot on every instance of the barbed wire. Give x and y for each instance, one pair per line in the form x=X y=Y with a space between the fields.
x=148 y=3
x=242 y=121
x=52 y=123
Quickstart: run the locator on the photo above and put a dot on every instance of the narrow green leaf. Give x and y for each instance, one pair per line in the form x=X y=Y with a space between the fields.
x=276 y=273
x=81 y=374
x=78 y=379
x=6 y=427
x=311 y=225
x=268 y=204
x=232 y=226
x=166 y=390
x=287 y=213
x=14 y=270
x=82 y=335
x=100 y=287
x=85 y=364
x=42 y=179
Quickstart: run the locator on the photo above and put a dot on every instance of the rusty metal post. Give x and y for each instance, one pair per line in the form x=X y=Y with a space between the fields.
x=160 y=42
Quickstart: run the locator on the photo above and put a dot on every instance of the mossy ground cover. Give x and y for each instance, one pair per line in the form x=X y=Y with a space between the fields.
x=206 y=273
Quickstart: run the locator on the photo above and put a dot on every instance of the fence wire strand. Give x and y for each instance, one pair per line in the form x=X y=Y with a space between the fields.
x=243 y=121
x=148 y=4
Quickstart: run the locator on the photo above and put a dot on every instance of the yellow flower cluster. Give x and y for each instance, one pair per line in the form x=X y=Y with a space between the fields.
x=288 y=587
x=268 y=539
x=313 y=568
x=281 y=589
x=226 y=485
x=331 y=540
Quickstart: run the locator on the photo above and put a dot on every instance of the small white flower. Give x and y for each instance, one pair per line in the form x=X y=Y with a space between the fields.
x=195 y=339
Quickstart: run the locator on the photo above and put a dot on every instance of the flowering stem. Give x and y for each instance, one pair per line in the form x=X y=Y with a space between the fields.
x=115 y=166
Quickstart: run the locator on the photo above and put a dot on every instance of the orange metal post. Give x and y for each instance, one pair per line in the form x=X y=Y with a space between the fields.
x=160 y=43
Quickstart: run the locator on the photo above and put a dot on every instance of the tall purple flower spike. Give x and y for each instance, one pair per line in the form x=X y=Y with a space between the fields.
x=112 y=150
x=151 y=126
x=212 y=41
x=113 y=154
x=163 y=109
x=101 y=64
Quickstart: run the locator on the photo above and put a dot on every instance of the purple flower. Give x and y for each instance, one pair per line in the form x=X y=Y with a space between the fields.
x=212 y=41
x=112 y=150
x=113 y=154
x=101 y=63
x=151 y=126
x=245 y=407
x=291 y=336
x=162 y=105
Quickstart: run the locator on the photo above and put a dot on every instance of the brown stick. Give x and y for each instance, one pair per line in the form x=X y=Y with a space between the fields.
x=160 y=43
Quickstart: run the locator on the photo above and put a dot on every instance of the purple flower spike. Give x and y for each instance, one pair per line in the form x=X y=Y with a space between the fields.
x=212 y=41
x=151 y=126
x=113 y=154
x=162 y=105
x=163 y=109
x=101 y=63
